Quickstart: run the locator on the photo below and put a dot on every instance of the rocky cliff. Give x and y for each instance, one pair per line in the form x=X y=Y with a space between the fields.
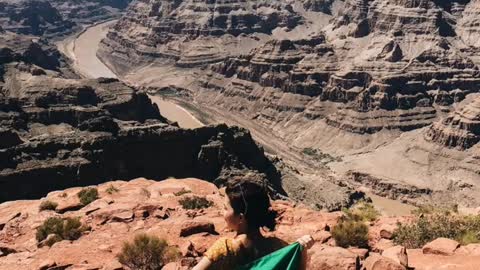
x=54 y=127
x=360 y=81
x=192 y=32
x=53 y=18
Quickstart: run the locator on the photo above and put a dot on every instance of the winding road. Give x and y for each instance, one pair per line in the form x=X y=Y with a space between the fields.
x=82 y=50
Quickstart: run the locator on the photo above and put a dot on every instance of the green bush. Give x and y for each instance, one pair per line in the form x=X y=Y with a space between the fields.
x=362 y=211
x=88 y=195
x=181 y=192
x=350 y=233
x=48 y=205
x=112 y=189
x=195 y=202
x=61 y=228
x=147 y=253
x=426 y=228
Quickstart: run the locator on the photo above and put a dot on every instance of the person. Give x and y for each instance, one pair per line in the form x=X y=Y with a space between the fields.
x=247 y=210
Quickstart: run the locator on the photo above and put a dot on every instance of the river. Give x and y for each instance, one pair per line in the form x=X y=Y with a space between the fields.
x=82 y=50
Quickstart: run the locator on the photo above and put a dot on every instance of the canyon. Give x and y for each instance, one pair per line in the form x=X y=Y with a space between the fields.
x=385 y=90
x=331 y=104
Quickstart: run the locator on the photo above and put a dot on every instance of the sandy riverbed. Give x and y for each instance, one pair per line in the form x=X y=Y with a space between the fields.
x=82 y=49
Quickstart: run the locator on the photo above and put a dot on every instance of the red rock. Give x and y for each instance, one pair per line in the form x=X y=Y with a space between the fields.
x=172 y=266
x=361 y=252
x=69 y=204
x=441 y=246
x=386 y=231
x=398 y=254
x=470 y=249
x=382 y=245
x=323 y=257
x=377 y=262
x=322 y=236
x=193 y=227
x=46 y=265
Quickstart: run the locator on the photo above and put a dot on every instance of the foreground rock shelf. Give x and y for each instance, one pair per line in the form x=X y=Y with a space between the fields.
x=125 y=209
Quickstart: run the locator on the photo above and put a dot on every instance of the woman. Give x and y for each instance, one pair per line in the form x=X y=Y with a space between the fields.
x=246 y=211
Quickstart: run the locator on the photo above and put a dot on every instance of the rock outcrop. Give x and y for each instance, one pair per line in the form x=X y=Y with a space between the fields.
x=127 y=208
x=461 y=129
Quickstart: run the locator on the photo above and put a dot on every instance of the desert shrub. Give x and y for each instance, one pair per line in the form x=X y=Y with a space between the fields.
x=61 y=228
x=147 y=253
x=426 y=228
x=351 y=233
x=195 y=202
x=112 y=189
x=362 y=211
x=48 y=205
x=88 y=195
x=181 y=192
x=319 y=156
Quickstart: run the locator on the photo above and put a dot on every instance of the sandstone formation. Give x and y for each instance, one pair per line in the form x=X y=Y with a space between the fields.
x=125 y=209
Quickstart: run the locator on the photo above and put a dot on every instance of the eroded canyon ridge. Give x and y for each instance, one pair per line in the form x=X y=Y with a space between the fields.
x=58 y=130
x=385 y=93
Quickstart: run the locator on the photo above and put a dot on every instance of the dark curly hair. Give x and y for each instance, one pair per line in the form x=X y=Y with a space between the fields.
x=250 y=198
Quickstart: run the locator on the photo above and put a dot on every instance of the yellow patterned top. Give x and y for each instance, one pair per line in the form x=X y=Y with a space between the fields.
x=227 y=254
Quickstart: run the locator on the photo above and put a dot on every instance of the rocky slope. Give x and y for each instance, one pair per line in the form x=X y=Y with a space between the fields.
x=125 y=209
x=54 y=127
x=53 y=18
x=349 y=79
x=192 y=32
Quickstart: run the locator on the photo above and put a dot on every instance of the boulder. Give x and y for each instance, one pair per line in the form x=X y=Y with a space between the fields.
x=382 y=245
x=398 y=254
x=377 y=262
x=324 y=257
x=441 y=246
x=193 y=227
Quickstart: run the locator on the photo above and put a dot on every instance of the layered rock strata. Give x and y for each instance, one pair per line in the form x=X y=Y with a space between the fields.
x=54 y=128
x=461 y=129
x=192 y=32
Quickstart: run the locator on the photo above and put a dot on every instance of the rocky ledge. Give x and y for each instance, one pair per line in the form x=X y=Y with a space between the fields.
x=125 y=209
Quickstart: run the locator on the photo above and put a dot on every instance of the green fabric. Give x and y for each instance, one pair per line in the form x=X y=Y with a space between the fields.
x=287 y=258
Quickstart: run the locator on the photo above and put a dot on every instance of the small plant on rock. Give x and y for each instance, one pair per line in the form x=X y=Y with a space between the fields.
x=145 y=192
x=447 y=224
x=88 y=195
x=147 y=252
x=61 y=229
x=181 y=192
x=112 y=189
x=351 y=233
x=363 y=211
x=195 y=202
x=48 y=205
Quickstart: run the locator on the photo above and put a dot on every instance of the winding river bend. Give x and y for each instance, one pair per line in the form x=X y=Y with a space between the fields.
x=82 y=50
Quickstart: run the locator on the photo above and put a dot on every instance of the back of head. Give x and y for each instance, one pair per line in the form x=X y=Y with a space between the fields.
x=250 y=198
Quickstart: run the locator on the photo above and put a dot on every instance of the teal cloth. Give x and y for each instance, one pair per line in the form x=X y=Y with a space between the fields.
x=287 y=258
